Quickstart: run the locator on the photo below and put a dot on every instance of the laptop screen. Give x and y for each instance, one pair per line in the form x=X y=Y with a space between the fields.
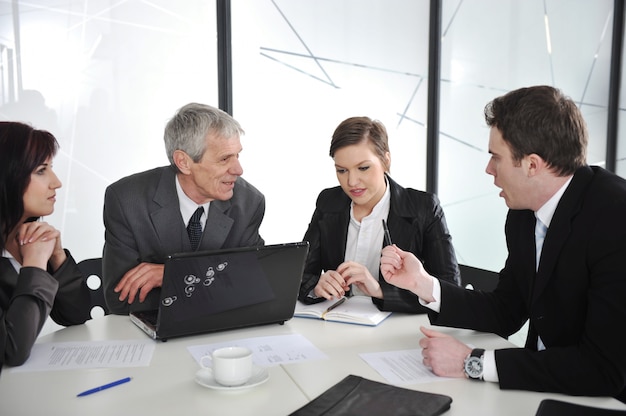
x=226 y=289
x=205 y=285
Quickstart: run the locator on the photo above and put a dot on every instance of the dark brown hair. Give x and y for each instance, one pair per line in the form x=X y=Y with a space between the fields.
x=354 y=130
x=22 y=150
x=543 y=121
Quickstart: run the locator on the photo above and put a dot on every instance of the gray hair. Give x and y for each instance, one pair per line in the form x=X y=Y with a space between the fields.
x=188 y=129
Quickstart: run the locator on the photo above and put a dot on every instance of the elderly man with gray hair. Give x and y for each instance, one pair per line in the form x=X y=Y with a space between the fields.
x=198 y=202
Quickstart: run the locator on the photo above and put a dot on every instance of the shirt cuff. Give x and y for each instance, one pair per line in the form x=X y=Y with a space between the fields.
x=490 y=371
x=436 y=305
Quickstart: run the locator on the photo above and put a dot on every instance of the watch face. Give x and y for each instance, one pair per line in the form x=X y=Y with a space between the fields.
x=474 y=367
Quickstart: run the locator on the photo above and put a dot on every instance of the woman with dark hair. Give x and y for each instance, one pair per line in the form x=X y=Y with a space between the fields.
x=346 y=231
x=38 y=278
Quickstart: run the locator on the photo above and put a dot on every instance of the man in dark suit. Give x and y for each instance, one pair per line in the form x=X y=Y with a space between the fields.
x=147 y=215
x=568 y=281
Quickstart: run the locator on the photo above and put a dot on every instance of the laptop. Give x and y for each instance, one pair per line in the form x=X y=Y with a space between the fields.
x=209 y=291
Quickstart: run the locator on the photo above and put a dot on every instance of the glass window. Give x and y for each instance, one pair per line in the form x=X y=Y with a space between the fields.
x=104 y=77
x=620 y=167
x=302 y=67
x=486 y=54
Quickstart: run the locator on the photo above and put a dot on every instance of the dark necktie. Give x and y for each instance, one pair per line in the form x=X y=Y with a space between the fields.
x=194 y=228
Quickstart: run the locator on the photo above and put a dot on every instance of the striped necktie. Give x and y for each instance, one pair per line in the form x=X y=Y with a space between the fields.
x=194 y=228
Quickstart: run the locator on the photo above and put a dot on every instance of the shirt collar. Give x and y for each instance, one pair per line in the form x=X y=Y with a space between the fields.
x=187 y=206
x=381 y=209
x=546 y=212
x=16 y=265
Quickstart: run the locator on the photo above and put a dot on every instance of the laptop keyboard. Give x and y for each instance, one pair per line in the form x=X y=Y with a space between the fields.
x=148 y=316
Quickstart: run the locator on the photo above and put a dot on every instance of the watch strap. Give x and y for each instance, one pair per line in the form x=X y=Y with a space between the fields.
x=477 y=352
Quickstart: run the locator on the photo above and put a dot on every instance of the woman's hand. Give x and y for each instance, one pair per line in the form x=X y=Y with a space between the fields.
x=359 y=275
x=331 y=285
x=39 y=242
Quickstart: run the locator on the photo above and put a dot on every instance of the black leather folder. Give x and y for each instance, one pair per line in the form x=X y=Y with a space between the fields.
x=551 y=407
x=356 y=395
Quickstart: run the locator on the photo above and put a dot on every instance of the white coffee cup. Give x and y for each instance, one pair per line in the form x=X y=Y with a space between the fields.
x=231 y=366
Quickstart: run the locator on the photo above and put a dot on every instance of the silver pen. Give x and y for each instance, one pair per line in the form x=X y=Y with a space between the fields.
x=387 y=234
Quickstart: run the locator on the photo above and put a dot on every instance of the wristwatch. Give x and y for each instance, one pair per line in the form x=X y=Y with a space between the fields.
x=473 y=364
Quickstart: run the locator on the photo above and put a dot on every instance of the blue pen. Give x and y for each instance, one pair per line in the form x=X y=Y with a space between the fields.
x=106 y=386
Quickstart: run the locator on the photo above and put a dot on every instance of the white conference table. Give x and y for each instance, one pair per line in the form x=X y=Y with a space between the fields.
x=166 y=386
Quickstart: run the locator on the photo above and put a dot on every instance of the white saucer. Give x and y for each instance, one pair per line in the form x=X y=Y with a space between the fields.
x=204 y=377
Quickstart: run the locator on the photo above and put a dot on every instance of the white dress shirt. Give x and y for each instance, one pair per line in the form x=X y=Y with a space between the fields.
x=188 y=207
x=365 y=238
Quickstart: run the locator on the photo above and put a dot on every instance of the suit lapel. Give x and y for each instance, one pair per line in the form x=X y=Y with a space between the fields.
x=528 y=252
x=170 y=227
x=400 y=216
x=560 y=227
x=217 y=226
x=165 y=215
x=334 y=234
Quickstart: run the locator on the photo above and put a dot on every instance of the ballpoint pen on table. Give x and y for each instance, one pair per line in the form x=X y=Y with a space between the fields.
x=104 y=387
x=387 y=234
x=333 y=306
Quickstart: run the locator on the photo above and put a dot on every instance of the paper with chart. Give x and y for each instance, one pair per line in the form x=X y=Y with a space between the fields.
x=267 y=351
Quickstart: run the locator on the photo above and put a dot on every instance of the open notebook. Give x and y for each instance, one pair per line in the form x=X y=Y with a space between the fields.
x=354 y=310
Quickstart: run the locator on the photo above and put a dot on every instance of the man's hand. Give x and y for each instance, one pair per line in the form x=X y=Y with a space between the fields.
x=142 y=278
x=443 y=354
x=402 y=269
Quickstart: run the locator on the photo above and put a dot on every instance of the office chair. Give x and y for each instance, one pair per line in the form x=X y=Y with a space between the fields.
x=479 y=279
x=92 y=270
x=550 y=407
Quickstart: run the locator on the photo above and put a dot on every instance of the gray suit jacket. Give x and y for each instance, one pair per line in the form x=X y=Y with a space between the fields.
x=28 y=297
x=143 y=224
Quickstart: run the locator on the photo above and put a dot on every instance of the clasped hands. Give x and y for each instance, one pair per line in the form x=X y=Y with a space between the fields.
x=398 y=267
x=40 y=243
x=335 y=283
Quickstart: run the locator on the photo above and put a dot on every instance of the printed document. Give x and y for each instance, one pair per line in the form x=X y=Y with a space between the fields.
x=267 y=351
x=98 y=354
x=401 y=367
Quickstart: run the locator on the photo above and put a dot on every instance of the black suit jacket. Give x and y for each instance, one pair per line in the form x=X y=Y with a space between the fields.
x=416 y=223
x=143 y=224
x=576 y=301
